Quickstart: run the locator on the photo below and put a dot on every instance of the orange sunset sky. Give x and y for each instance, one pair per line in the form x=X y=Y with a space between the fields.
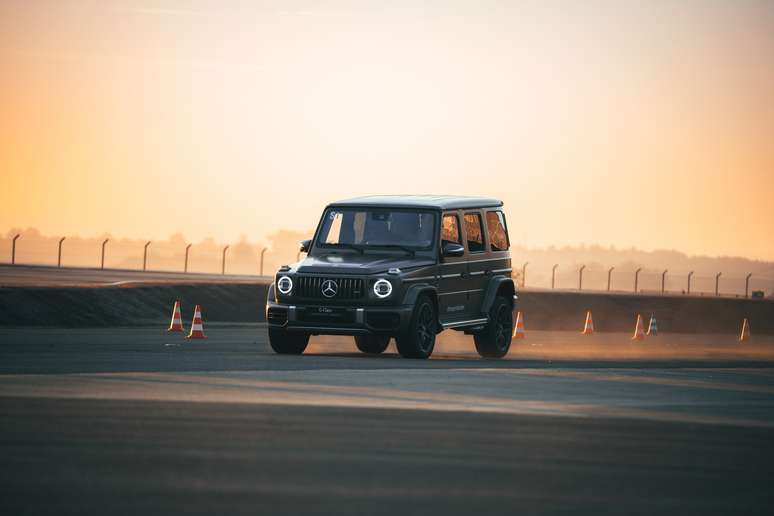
x=647 y=124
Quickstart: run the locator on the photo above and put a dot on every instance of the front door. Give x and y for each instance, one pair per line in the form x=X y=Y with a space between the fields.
x=452 y=272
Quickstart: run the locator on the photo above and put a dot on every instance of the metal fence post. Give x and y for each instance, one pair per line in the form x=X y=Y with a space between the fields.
x=263 y=251
x=553 y=275
x=609 y=276
x=145 y=255
x=636 y=279
x=223 y=261
x=102 y=261
x=59 y=253
x=717 y=283
x=747 y=285
x=524 y=274
x=185 y=265
x=663 y=281
x=690 y=274
x=13 y=249
x=580 y=277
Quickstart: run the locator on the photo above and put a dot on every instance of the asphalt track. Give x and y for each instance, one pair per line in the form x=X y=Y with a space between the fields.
x=128 y=421
x=47 y=276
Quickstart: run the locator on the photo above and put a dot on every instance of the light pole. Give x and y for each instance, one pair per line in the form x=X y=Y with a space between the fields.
x=102 y=262
x=223 y=261
x=145 y=255
x=636 y=279
x=13 y=249
x=553 y=275
x=580 y=277
x=524 y=274
x=609 y=276
x=59 y=253
x=185 y=265
x=663 y=281
x=263 y=251
x=717 y=282
x=747 y=285
x=690 y=274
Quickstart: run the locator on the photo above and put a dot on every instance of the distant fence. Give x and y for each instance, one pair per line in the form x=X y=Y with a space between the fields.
x=244 y=258
x=645 y=281
x=108 y=253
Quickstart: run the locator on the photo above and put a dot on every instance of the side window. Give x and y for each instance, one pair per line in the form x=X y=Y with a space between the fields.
x=474 y=232
x=450 y=230
x=498 y=235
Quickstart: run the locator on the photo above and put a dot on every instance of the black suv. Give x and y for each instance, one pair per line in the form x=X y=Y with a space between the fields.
x=407 y=267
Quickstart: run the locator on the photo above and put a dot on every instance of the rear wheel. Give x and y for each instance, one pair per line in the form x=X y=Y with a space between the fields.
x=287 y=343
x=418 y=340
x=494 y=340
x=372 y=344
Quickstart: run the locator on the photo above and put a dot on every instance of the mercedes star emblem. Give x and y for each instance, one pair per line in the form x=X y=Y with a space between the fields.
x=329 y=288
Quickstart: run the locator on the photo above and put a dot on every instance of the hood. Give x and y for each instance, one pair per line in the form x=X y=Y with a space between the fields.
x=352 y=263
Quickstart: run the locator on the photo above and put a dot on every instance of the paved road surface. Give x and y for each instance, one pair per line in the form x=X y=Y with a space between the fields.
x=45 y=276
x=129 y=421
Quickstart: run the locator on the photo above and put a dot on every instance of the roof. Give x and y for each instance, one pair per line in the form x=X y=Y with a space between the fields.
x=439 y=202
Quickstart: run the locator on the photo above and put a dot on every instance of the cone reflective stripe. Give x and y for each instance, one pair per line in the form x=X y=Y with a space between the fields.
x=652 y=326
x=518 y=330
x=588 y=328
x=639 y=330
x=745 y=331
x=177 y=319
x=197 y=330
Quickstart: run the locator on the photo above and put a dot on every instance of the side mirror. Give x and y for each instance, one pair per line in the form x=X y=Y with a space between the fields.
x=452 y=250
x=305 y=244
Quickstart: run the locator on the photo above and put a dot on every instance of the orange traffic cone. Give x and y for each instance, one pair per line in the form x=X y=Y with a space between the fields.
x=518 y=330
x=588 y=328
x=197 y=330
x=745 y=331
x=177 y=319
x=639 y=330
x=652 y=326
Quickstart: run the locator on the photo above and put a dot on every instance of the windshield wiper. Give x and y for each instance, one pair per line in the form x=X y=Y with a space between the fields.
x=409 y=250
x=345 y=245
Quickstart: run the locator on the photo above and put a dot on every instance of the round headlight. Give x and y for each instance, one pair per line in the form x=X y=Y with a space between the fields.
x=382 y=288
x=285 y=285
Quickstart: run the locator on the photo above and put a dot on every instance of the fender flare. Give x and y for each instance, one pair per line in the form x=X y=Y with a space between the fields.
x=414 y=291
x=491 y=292
x=270 y=293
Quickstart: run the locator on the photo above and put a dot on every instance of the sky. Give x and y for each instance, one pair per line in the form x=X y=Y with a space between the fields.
x=645 y=124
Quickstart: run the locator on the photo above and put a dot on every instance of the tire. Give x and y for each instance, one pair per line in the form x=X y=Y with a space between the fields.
x=287 y=343
x=418 y=340
x=372 y=344
x=494 y=340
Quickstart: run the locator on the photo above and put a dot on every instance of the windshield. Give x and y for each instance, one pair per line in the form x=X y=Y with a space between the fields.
x=361 y=228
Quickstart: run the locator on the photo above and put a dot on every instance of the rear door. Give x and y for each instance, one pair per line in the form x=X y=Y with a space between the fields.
x=452 y=298
x=479 y=266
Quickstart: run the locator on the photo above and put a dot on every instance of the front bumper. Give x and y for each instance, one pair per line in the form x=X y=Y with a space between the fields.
x=338 y=320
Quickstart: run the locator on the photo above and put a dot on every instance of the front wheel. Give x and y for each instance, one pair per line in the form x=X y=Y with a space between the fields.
x=494 y=340
x=287 y=343
x=372 y=344
x=418 y=340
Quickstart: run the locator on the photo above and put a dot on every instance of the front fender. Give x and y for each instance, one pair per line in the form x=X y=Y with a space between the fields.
x=414 y=291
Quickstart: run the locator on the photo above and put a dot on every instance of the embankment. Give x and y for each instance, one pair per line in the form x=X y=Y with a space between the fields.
x=544 y=310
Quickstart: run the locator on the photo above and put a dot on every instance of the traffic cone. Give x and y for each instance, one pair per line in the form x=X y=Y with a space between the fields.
x=177 y=319
x=639 y=330
x=197 y=330
x=652 y=326
x=745 y=331
x=518 y=330
x=588 y=328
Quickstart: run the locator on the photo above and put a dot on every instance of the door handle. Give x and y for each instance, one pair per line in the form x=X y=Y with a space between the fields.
x=464 y=275
x=487 y=273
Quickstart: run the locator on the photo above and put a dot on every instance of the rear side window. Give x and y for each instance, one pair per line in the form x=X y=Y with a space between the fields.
x=474 y=232
x=498 y=235
x=450 y=230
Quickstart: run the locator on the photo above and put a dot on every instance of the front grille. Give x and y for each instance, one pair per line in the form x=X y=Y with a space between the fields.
x=310 y=287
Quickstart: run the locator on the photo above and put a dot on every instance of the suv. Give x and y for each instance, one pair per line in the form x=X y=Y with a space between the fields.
x=402 y=266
